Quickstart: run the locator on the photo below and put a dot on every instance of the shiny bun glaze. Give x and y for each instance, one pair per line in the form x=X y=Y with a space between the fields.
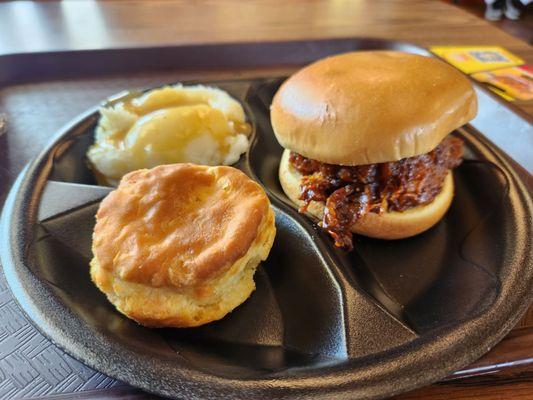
x=371 y=107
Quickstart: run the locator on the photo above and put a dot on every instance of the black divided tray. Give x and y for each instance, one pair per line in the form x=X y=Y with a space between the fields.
x=388 y=317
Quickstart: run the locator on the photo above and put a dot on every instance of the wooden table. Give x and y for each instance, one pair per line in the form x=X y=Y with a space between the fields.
x=60 y=25
x=27 y=27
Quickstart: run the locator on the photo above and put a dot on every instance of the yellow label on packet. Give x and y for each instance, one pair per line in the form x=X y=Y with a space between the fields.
x=516 y=82
x=470 y=59
x=501 y=93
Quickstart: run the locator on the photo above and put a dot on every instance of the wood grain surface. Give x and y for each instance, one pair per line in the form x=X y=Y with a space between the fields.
x=61 y=25
x=27 y=27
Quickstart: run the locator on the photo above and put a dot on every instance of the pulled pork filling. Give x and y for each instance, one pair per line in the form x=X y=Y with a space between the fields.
x=351 y=192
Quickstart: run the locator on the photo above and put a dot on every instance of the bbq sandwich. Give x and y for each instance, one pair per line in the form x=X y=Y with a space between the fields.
x=367 y=141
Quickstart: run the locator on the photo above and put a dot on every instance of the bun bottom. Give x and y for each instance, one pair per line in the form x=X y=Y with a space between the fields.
x=193 y=306
x=388 y=225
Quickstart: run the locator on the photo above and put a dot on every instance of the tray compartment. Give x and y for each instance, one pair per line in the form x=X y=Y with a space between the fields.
x=426 y=281
x=293 y=319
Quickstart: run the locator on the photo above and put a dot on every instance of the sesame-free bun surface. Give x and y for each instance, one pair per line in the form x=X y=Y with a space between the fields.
x=388 y=225
x=371 y=107
x=178 y=245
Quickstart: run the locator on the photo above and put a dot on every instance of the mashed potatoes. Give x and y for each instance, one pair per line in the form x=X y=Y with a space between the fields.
x=197 y=124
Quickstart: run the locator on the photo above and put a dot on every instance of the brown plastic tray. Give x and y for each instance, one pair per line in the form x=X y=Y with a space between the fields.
x=57 y=93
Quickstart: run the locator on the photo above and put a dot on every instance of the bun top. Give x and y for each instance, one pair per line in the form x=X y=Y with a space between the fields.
x=370 y=107
x=178 y=225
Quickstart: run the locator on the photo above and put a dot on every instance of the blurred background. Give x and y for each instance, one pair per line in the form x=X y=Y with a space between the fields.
x=513 y=16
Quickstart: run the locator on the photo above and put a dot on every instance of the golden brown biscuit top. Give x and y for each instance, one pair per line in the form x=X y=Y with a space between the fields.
x=178 y=225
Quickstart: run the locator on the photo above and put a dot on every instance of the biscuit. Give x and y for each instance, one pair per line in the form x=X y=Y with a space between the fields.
x=178 y=245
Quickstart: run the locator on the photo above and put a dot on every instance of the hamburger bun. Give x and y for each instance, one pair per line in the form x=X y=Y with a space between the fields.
x=388 y=225
x=178 y=245
x=371 y=107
